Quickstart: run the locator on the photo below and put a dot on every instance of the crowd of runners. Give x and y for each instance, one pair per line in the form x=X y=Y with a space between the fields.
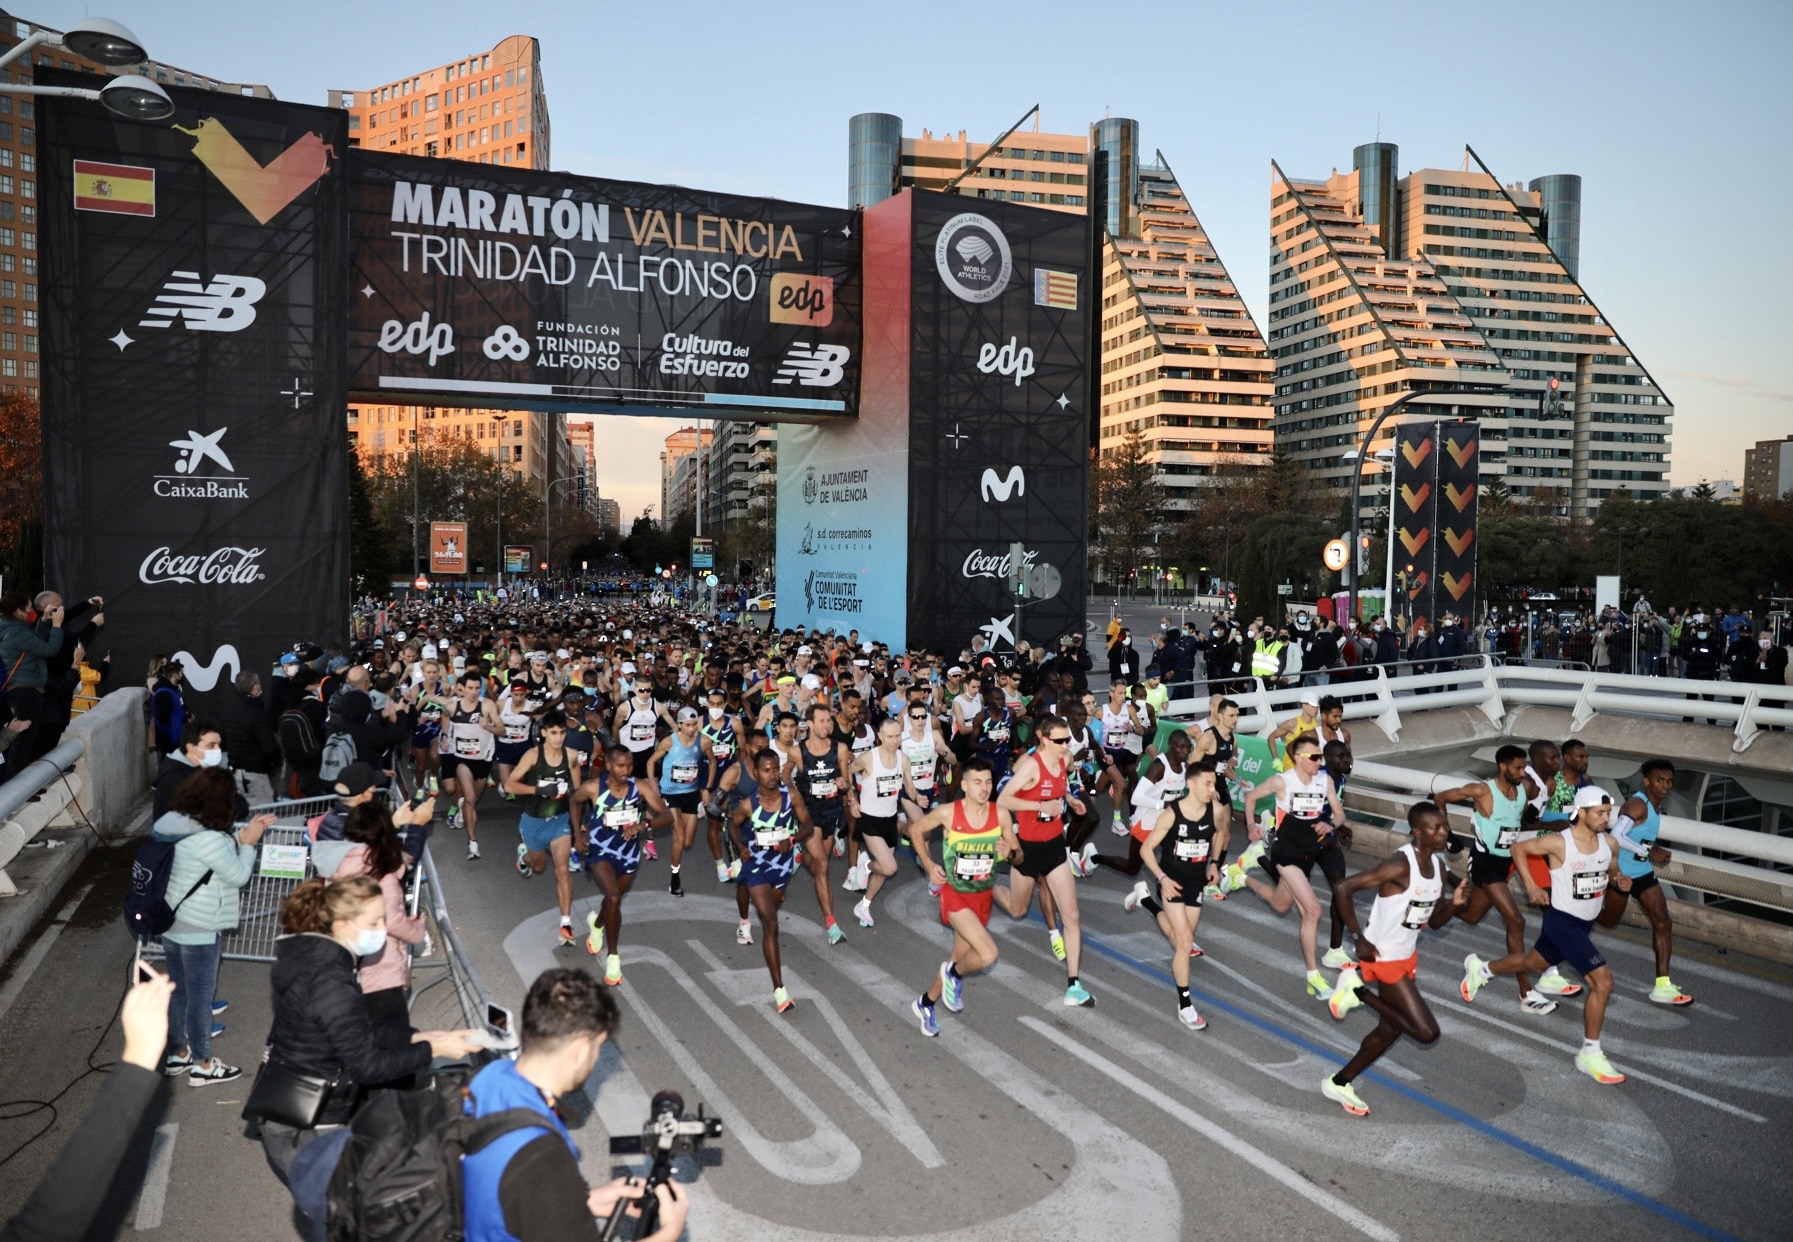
x=621 y=730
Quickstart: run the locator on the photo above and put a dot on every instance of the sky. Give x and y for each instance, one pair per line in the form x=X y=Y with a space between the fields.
x=1678 y=117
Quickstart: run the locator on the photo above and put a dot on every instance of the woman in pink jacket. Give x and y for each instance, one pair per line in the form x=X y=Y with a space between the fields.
x=378 y=853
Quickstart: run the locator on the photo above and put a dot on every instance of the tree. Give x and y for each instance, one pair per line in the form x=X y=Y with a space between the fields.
x=1703 y=491
x=1239 y=491
x=1130 y=499
x=21 y=483
x=371 y=562
x=1282 y=547
x=456 y=482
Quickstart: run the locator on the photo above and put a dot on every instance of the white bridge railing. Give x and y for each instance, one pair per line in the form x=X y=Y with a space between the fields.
x=1494 y=688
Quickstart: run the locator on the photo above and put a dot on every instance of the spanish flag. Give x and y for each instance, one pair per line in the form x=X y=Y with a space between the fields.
x=123 y=189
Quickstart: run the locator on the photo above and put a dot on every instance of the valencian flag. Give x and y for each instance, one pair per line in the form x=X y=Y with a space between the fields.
x=124 y=189
x=1055 y=289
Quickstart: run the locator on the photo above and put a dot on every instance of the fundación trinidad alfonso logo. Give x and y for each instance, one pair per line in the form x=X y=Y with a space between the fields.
x=972 y=257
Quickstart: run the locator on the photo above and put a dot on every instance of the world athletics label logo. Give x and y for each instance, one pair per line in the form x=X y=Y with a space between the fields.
x=972 y=257
x=810 y=486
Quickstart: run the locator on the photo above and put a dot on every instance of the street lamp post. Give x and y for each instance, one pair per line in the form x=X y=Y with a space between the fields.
x=548 y=514
x=503 y=469
x=128 y=96
x=1363 y=452
x=1385 y=461
x=416 y=505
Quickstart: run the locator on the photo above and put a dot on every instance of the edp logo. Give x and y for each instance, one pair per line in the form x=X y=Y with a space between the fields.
x=419 y=337
x=1011 y=359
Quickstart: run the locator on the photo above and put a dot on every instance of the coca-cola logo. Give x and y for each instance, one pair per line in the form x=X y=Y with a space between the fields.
x=227 y=566
x=979 y=564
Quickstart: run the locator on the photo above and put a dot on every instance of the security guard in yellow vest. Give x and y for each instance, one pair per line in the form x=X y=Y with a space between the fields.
x=1266 y=656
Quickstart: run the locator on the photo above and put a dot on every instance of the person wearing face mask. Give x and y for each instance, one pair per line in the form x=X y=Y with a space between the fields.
x=1422 y=648
x=210 y=866
x=322 y=1026
x=201 y=746
x=1701 y=653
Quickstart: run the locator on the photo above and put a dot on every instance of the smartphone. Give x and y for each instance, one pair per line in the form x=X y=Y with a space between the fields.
x=499 y=1019
x=139 y=972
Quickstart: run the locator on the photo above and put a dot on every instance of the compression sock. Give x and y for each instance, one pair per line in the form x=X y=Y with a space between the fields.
x=1183 y=1001
x=1151 y=904
x=1340 y=1082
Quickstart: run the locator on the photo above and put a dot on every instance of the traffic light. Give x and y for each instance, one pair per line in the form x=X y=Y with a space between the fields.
x=1363 y=555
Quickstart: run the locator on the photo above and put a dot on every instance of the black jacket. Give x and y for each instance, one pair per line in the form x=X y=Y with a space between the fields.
x=170 y=773
x=321 y=1022
x=72 y=1192
x=248 y=733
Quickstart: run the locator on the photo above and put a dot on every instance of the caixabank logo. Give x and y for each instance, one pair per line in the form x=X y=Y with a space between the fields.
x=972 y=257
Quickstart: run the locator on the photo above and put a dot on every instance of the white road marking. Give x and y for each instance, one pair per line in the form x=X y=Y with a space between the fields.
x=1219 y=1135
x=35 y=956
x=154 y=1195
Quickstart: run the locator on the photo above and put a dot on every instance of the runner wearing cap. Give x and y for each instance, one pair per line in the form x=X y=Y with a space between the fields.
x=1305 y=720
x=678 y=762
x=1582 y=866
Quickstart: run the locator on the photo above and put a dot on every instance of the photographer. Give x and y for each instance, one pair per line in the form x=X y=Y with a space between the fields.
x=527 y=1185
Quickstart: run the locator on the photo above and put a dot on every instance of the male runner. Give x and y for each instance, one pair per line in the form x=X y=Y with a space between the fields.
x=1302 y=794
x=1305 y=720
x=1550 y=808
x=1336 y=761
x=766 y=827
x=1582 y=866
x=878 y=779
x=1408 y=888
x=1123 y=741
x=1184 y=851
x=975 y=836
x=636 y=724
x=1036 y=796
x=1161 y=782
x=622 y=810
x=1498 y=810
x=820 y=775
x=1332 y=721
x=547 y=775
x=1215 y=740
x=723 y=730
x=1634 y=836
x=469 y=740
x=514 y=713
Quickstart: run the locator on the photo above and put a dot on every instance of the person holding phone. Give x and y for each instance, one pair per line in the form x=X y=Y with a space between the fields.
x=212 y=862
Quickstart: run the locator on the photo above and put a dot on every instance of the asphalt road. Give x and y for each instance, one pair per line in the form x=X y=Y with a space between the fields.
x=1024 y=1119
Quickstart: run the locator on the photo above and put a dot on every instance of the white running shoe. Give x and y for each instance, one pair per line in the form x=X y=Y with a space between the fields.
x=1119 y=825
x=863 y=912
x=1536 y=1002
x=1191 y=1019
x=1138 y=893
x=472 y=850
x=744 y=933
x=1336 y=959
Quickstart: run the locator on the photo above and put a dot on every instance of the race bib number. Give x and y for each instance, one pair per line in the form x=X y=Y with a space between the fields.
x=516 y=732
x=1304 y=805
x=1506 y=838
x=684 y=773
x=973 y=866
x=465 y=746
x=887 y=784
x=621 y=818
x=1052 y=809
x=923 y=770
x=1192 y=851
x=1589 y=884
x=771 y=839
x=1173 y=793
x=1418 y=912
x=724 y=751
x=823 y=789
x=641 y=732
x=999 y=734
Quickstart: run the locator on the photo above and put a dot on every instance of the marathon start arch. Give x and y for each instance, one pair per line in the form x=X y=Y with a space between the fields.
x=218 y=288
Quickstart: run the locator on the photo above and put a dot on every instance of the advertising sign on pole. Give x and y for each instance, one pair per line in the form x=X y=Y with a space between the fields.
x=703 y=552
x=448 y=547
x=517 y=558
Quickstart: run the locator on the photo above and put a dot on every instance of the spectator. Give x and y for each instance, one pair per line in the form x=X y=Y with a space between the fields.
x=1074 y=661
x=25 y=649
x=1762 y=663
x=248 y=738
x=285 y=689
x=1322 y=655
x=301 y=767
x=322 y=1026
x=1123 y=660
x=378 y=854
x=168 y=707
x=201 y=746
x=210 y=866
x=527 y=1185
x=70 y=1194
x=62 y=676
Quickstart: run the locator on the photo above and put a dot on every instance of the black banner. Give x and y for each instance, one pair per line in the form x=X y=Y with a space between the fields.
x=193 y=388
x=999 y=429
x=1416 y=517
x=477 y=285
x=1459 y=474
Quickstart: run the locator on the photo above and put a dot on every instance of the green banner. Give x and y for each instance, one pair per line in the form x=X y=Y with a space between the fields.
x=1254 y=769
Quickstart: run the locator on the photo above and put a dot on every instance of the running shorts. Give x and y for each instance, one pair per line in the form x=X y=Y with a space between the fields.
x=609 y=846
x=879 y=827
x=1191 y=881
x=773 y=867
x=1040 y=859
x=1273 y=858
x=509 y=752
x=478 y=769
x=1123 y=759
x=1640 y=884
x=1332 y=860
x=979 y=904
x=1565 y=938
x=641 y=757
x=686 y=802
x=1389 y=972
x=1489 y=869
x=538 y=834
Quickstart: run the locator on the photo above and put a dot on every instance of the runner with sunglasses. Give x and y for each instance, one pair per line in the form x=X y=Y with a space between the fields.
x=1036 y=796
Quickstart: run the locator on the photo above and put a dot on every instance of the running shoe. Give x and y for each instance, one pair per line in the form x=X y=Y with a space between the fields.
x=1664 y=993
x=219 y=1006
x=1213 y=892
x=952 y=988
x=1079 y=996
x=1344 y=997
x=835 y=934
x=863 y=912
x=744 y=933
x=1191 y=1019
x=594 y=934
x=1593 y=1064
x=1536 y=1002
x=1552 y=983
x=435 y=787
x=613 y=970
x=567 y=939
x=676 y=887
x=855 y=882
x=781 y=1000
x=175 y=1065
x=473 y=851
x=217 y=1029
x=649 y=850
x=1232 y=879
x=522 y=866
x=721 y=872
x=1475 y=974
x=1083 y=862
x=840 y=846
x=934 y=889
x=925 y=1015
x=575 y=862
x=1317 y=987
x=1056 y=939
x=1138 y=893
x=1336 y=959
x=1119 y=825
x=217 y=1071
x=454 y=818
x=1345 y=1097
x=734 y=869
x=1195 y=950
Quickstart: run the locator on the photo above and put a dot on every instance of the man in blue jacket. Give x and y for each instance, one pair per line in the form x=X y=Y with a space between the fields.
x=526 y=1186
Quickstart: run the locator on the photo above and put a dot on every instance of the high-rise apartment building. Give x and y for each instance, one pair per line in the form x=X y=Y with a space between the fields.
x=610 y=515
x=1768 y=469
x=582 y=461
x=1382 y=284
x=489 y=107
x=743 y=471
x=1182 y=361
x=688 y=446
x=19 y=356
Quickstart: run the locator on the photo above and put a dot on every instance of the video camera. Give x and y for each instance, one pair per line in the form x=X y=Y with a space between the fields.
x=667 y=1134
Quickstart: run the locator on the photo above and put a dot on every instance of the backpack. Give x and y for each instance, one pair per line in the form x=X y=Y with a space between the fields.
x=146 y=909
x=298 y=740
x=338 y=753
x=399 y=1177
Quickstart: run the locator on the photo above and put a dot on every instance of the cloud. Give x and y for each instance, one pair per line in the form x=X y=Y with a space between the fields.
x=1748 y=387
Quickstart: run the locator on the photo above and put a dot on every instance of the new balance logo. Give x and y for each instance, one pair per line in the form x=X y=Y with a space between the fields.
x=820 y=366
x=997 y=488
x=226 y=304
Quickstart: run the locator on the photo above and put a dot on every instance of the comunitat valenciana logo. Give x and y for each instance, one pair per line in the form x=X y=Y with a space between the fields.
x=973 y=258
x=198 y=450
x=228 y=566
